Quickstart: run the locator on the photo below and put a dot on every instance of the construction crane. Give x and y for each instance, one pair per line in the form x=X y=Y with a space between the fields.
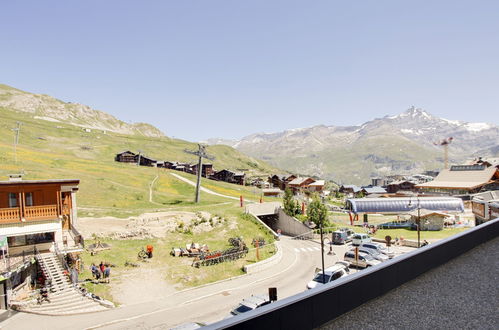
x=445 y=143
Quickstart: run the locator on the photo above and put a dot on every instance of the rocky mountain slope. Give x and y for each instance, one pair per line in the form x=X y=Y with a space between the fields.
x=393 y=144
x=45 y=107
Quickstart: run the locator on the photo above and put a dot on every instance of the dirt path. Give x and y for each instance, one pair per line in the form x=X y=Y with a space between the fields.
x=140 y=285
x=208 y=191
x=151 y=185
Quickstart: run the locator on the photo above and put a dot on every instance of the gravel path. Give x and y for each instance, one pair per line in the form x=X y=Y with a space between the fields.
x=461 y=294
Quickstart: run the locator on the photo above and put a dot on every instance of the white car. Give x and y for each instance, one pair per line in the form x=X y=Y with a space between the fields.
x=340 y=269
x=380 y=248
x=358 y=239
x=250 y=303
x=364 y=260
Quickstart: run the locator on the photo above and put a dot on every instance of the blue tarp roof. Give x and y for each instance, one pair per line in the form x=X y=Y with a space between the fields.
x=404 y=205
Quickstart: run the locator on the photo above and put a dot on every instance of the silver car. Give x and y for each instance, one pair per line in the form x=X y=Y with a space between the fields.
x=380 y=248
x=374 y=253
x=364 y=260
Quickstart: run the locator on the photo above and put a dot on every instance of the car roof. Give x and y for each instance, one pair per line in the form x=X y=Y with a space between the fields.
x=333 y=268
x=256 y=300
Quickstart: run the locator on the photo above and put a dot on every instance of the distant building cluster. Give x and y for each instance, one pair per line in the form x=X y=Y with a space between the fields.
x=298 y=185
x=207 y=170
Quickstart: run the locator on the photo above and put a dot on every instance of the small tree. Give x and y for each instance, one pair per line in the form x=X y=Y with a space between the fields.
x=289 y=202
x=317 y=212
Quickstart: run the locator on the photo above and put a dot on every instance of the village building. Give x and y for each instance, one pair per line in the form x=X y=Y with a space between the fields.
x=350 y=190
x=482 y=205
x=428 y=220
x=272 y=192
x=35 y=216
x=229 y=176
x=145 y=161
x=281 y=181
x=126 y=157
x=464 y=179
x=316 y=186
x=206 y=172
x=401 y=185
x=260 y=183
x=300 y=184
x=380 y=182
x=372 y=190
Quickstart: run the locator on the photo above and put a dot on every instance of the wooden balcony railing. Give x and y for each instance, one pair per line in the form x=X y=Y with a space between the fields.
x=10 y=215
x=40 y=212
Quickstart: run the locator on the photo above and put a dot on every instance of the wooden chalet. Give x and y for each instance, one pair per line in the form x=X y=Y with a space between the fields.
x=350 y=190
x=39 y=212
x=206 y=172
x=238 y=178
x=229 y=176
x=126 y=157
x=300 y=184
x=145 y=161
x=401 y=185
x=281 y=181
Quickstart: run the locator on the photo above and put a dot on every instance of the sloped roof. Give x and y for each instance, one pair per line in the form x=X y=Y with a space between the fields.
x=318 y=183
x=374 y=190
x=404 y=204
x=461 y=179
x=299 y=180
x=425 y=213
x=351 y=186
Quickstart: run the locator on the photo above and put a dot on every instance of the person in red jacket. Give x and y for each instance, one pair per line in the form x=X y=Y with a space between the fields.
x=149 y=249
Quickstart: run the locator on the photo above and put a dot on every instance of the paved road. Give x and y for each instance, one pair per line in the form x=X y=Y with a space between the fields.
x=207 y=304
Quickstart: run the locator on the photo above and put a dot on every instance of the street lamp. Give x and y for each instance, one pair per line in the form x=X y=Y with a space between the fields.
x=322 y=255
x=418 y=221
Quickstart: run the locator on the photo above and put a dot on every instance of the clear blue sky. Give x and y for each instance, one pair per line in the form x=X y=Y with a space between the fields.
x=199 y=69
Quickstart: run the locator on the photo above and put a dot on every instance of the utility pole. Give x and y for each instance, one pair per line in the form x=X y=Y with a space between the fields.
x=16 y=130
x=138 y=159
x=201 y=153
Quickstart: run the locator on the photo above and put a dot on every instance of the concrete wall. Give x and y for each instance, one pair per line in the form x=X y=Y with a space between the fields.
x=290 y=226
x=264 y=264
x=263 y=208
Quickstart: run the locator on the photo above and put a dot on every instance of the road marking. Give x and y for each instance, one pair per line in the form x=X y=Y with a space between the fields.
x=303 y=249
x=316 y=248
x=310 y=249
x=297 y=250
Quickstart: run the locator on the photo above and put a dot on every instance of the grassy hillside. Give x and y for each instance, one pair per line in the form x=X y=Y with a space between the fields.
x=55 y=150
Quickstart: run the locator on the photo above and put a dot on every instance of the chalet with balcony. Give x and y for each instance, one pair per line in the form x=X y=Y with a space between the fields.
x=126 y=157
x=206 y=172
x=39 y=213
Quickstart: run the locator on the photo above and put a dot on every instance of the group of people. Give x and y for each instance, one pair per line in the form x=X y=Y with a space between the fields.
x=102 y=270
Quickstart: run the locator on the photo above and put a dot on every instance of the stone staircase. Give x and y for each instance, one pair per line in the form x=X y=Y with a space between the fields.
x=65 y=298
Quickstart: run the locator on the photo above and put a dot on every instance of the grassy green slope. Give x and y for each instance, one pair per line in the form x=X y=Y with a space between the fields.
x=55 y=150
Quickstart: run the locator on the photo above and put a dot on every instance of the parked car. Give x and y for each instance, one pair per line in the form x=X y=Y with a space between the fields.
x=374 y=253
x=380 y=248
x=338 y=270
x=250 y=303
x=341 y=237
x=364 y=260
x=358 y=239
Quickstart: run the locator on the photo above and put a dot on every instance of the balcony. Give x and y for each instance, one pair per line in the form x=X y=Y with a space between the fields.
x=42 y=212
x=11 y=214
x=31 y=213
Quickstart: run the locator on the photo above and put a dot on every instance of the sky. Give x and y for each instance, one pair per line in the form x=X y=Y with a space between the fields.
x=203 y=69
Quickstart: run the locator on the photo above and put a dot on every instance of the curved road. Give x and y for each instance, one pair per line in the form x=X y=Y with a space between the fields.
x=206 y=304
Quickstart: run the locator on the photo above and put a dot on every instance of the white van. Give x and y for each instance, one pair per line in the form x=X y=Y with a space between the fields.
x=358 y=239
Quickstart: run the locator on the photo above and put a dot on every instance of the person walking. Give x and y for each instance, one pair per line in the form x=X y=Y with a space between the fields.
x=107 y=273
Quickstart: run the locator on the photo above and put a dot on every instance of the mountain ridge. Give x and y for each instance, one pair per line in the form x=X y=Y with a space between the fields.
x=400 y=143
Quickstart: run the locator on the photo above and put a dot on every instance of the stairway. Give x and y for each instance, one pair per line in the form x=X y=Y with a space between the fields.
x=65 y=298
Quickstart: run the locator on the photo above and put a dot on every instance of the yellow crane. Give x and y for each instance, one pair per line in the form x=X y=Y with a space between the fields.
x=445 y=143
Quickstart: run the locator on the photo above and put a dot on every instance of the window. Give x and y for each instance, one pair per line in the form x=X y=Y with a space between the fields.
x=337 y=275
x=29 y=199
x=30 y=239
x=13 y=200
